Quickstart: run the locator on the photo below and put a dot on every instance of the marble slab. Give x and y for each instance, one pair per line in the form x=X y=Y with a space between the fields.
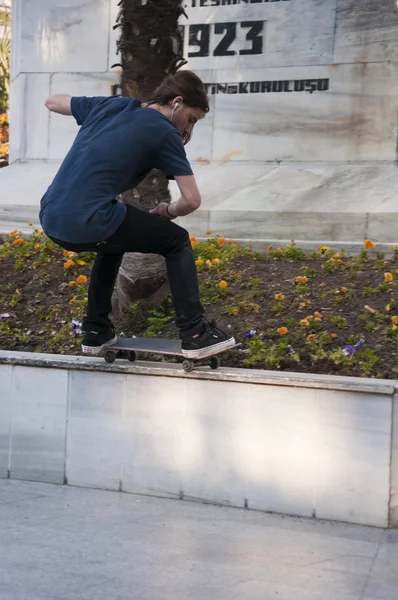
x=63 y=35
x=294 y=32
x=154 y=457
x=6 y=397
x=355 y=119
x=285 y=225
x=17 y=118
x=394 y=466
x=279 y=448
x=366 y=31
x=94 y=415
x=39 y=424
x=353 y=458
x=36 y=116
x=63 y=130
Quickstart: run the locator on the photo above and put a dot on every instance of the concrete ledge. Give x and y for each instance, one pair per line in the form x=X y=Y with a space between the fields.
x=313 y=446
x=251 y=376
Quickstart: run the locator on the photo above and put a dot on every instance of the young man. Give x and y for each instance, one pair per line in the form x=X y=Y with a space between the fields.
x=119 y=142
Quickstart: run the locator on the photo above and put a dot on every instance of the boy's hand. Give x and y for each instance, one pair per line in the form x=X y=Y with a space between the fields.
x=161 y=210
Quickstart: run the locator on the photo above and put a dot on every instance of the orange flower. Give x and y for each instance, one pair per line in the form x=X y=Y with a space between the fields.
x=344 y=290
x=210 y=231
x=194 y=241
x=309 y=317
x=388 y=277
x=223 y=284
x=370 y=309
x=30 y=224
x=215 y=261
x=235 y=311
x=369 y=244
x=394 y=248
x=81 y=279
x=68 y=264
x=305 y=322
x=37 y=246
x=323 y=249
x=269 y=248
x=220 y=241
x=336 y=255
x=318 y=314
x=394 y=319
x=13 y=232
x=300 y=279
x=18 y=241
x=65 y=253
x=73 y=283
x=311 y=337
x=333 y=335
x=72 y=300
x=199 y=261
x=282 y=330
x=279 y=250
x=279 y=297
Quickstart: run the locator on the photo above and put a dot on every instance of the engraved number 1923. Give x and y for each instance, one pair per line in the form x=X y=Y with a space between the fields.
x=199 y=35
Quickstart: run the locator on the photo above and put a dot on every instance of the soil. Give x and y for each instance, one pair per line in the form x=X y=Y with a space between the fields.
x=352 y=296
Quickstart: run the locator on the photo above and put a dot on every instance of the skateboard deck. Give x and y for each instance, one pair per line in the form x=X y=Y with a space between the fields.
x=130 y=347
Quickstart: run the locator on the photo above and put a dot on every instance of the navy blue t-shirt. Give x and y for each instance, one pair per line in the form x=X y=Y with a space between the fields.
x=118 y=144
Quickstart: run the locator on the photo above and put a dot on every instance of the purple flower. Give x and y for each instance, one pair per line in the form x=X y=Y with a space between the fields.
x=290 y=349
x=4 y=316
x=77 y=327
x=263 y=338
x=351 y=350
x=250 y=334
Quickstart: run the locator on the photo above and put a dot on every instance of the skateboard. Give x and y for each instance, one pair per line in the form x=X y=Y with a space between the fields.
x=130 y=347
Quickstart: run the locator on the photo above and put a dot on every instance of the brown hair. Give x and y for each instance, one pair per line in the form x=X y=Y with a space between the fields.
x=183 y=83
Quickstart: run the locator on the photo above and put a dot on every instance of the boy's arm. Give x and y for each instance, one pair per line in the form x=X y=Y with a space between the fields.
x=59 y=103
x=189 y=202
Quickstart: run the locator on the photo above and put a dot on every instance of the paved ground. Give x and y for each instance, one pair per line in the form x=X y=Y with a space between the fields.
x=62 y=543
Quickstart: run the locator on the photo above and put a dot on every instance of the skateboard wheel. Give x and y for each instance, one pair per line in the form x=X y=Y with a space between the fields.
x=188 y=365
x=132 y=356
x=110 y=356
x=214 y=362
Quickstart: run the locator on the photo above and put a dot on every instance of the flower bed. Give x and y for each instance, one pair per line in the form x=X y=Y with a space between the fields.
x=319 y=312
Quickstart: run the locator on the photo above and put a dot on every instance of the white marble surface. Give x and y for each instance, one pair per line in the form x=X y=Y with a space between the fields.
x=298 y=32
x=39 y=400
x=95 y=412
x=354 y=120
x=305 y=451
x=63 y=36
x=63 y=130
x=5 y=417
x=366 y=31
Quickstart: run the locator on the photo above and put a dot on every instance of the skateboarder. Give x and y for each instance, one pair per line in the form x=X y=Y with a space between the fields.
x=120 y=141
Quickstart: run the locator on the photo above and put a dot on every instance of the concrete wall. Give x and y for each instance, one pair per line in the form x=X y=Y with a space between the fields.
x=295 y=444
x=254 y=56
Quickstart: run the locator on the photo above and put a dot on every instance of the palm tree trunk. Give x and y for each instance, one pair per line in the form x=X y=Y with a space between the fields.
x=151 y=47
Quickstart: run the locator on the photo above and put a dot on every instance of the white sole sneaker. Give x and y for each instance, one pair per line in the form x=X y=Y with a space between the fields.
x=93 y=350
x=210 y=350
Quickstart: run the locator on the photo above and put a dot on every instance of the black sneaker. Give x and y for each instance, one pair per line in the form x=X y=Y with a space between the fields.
x=211 y=341
x=93 y=342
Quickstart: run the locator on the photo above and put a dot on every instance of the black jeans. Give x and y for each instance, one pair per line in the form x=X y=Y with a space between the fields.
x=149 y=234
